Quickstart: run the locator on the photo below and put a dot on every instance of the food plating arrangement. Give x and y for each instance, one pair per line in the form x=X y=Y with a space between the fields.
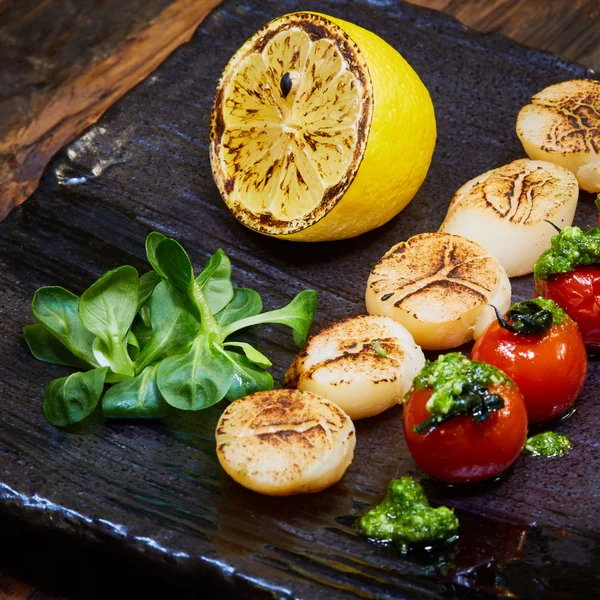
x=321 y=131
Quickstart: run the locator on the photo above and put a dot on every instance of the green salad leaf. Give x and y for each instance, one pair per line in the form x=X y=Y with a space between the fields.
x=148 y=282
x=174 y=323
x=133 y=344
x=57 y=310
x=298 y=315
x=71 y=399
x=107 y=309
x=173 y=264
x=160 y=340
x=215 y=281
x=252 y=354
x=248 y=377
x=137 y=398
x=196 y=379
x=44 y=346
x=152 y=242
x=244 y=303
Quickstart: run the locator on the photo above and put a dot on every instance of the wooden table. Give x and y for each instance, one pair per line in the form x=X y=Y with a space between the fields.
x=63 y=63
x=61 y=68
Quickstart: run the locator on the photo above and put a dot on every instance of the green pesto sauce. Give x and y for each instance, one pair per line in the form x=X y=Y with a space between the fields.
x=570 y=248
x=548 y=445
x=447 y=376
x=558 y=314
x=376 y=345
x=406 y=517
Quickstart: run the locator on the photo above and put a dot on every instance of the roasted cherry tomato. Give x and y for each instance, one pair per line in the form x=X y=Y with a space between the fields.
x=578 y=293
x=462 y=450
x=569 y=273
x=472 y=446
x=549 y=365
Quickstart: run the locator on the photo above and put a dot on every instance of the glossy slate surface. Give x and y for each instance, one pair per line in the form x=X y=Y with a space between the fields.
x=154 y=490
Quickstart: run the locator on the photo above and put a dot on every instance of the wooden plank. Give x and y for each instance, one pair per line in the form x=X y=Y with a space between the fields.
x=53 y=84
x=64 y=63
x=62 y=66
x=569 y=28
x=12 y=588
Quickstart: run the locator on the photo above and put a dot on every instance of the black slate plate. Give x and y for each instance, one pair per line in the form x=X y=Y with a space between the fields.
x=155 y=490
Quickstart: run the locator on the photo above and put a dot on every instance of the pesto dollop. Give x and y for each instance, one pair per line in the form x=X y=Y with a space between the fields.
x=558 y=314
x=449 y=376
x=406 y=518
x=532 y=316
x=570 y=248
x=548 y=444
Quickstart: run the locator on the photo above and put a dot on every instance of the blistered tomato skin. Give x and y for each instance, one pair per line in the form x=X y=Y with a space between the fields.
x=463 y=450
x=578 y=293
x=549 y=368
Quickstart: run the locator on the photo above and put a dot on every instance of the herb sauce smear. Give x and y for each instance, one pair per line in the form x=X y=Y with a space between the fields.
x=548 y=445
x=406 y=518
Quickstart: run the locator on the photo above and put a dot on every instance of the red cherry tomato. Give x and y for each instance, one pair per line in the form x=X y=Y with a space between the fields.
x=462 y=450
x=578 y=293
x=549 y=368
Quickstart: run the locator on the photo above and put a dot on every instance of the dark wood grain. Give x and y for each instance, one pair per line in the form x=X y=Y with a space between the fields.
x=38 y=71
x=63 y=63
x=569 y=28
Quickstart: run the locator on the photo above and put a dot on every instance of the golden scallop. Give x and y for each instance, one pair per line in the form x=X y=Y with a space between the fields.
x=365 y=365
x=285 y=442
x=507 y=211
x=440 y=287
x=562 y=125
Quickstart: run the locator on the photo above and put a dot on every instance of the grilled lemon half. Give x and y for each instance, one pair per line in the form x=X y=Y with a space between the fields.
x=319 y=131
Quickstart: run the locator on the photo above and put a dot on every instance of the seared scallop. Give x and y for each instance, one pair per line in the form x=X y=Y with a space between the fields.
x=507 y=211
x=440 y=287
x=285 y=442
x=562 y=125
x=365 y=365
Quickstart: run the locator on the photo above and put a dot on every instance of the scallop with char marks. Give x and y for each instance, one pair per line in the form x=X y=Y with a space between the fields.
x=562 y=125
x=507 y=211
x=365 y=365
x=285 y=442
x=440 y=287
